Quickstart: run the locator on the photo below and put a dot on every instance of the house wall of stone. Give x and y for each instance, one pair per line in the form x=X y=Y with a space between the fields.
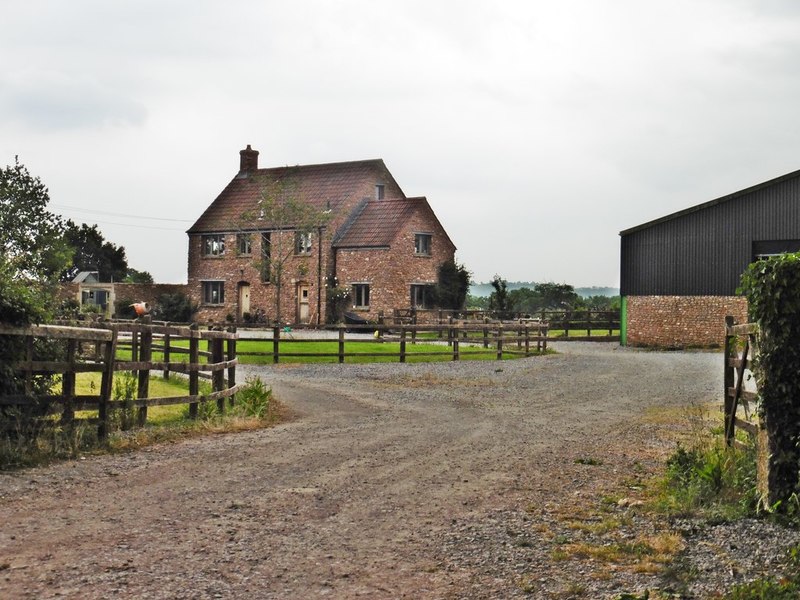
x=236 y=270
x=681 y=321
x=391 y=272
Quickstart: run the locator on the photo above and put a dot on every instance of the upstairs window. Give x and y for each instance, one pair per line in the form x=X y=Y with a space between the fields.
x=380 y=190
x=422 y=244
x=302 y=242
x=360 y=295
x=244 y=243
x=213 y=292
x=213 y=244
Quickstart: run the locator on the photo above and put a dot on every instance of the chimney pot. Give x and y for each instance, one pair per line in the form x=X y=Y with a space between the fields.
x=248 y=161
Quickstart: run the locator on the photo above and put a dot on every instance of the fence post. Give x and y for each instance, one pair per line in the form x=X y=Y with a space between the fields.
x=455 y=347
x=134 y=346
x=402 y=344
x=29 y=361
x=588 y=322
x=106 y=383
x=276 y=343
x=194 y=374
x=341 y=344
x=485 y=332
x=450 y=332
x=543 y=338
x=500 y=342
x=218 y=375
x=68 y=384
x=527 y=341
x=145 y=354
x=166 y=354
x=232 y=369
x=728 y=379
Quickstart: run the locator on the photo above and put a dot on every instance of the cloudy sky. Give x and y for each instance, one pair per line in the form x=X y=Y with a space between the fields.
x=537 y=130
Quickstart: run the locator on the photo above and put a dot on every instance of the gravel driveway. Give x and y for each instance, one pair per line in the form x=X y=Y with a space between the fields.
x=445 y=480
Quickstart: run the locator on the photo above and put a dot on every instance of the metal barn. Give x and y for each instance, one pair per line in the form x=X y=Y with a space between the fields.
x=679 y=272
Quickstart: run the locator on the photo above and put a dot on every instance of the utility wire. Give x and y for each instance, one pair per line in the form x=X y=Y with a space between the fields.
x=114 y=214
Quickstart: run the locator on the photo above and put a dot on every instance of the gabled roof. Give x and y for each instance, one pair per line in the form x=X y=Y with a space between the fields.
x=376 y=223
x=711 y=203
x=323 y=186
x=87 y=277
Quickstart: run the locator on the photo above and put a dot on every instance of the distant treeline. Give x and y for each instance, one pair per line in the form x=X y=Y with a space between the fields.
x=486 y=289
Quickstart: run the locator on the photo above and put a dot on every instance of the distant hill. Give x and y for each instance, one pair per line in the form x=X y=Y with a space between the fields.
x=485 y=289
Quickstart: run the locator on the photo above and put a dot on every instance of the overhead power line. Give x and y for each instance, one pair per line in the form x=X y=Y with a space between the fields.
x=115 y=214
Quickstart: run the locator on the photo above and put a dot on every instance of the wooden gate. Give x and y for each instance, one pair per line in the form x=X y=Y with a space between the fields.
x=739 y=352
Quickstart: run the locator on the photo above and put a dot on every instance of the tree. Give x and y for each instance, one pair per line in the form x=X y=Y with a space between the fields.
x=32 y=244
x=134 y=276
x=291 y=224
x=93 y=253
x=498 y=300
x=524 y=300
x=32 y=253
x=452 y=286
x=557 y=295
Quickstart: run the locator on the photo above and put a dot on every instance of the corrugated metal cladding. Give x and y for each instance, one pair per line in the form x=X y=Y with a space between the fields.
x=704 y=250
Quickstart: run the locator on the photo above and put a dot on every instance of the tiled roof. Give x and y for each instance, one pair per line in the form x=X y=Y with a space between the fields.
x=378 y=223
x=324 y=186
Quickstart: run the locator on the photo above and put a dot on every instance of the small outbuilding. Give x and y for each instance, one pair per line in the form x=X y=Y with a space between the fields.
x=679 y=274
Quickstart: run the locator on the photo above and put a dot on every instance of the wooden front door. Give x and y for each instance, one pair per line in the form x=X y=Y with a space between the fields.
x=302 y=303
x=244 y=300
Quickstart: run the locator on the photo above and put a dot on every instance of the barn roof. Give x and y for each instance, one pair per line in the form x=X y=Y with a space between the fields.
x=710 y=203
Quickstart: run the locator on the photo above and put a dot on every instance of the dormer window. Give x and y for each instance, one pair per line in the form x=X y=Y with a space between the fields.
x=379 y=191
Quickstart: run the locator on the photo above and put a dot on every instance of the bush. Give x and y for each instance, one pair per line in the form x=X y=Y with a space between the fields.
x=176 y=307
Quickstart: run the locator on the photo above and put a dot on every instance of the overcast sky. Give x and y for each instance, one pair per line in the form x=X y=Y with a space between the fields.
x=537 y=130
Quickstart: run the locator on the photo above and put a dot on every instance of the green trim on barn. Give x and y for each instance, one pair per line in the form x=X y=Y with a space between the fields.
x=623 y=321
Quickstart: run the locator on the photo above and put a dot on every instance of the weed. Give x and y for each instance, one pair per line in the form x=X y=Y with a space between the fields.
x=588 y=461
x=786 y=588
x=125 y=389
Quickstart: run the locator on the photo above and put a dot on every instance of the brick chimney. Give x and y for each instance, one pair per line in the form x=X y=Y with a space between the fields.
x=248 y=161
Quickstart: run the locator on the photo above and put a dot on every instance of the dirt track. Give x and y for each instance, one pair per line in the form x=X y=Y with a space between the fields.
x=391 y=481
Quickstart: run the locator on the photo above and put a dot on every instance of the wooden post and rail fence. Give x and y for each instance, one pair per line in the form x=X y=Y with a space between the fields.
x=498 y=340
x=97 y=349
x=598 y=325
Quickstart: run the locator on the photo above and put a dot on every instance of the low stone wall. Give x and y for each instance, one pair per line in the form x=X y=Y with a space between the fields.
x=681 y=321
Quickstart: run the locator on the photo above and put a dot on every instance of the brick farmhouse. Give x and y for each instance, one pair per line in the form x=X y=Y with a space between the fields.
x=277 y=242
x=679 y=273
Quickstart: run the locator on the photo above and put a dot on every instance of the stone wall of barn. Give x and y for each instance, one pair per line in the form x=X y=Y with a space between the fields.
x=681 y=321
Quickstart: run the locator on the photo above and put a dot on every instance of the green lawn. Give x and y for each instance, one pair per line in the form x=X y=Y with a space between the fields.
x=386 y=351
x=89 y=384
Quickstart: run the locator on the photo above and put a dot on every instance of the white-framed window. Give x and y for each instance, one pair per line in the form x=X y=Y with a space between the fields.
x=214 y=244
x=421 y=295
x=213 y=292
x=244 y=244
x=422 y=243
x=360 y=295
x=302 y=242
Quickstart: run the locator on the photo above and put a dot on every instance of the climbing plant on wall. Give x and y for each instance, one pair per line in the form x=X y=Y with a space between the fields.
x=772 y=289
